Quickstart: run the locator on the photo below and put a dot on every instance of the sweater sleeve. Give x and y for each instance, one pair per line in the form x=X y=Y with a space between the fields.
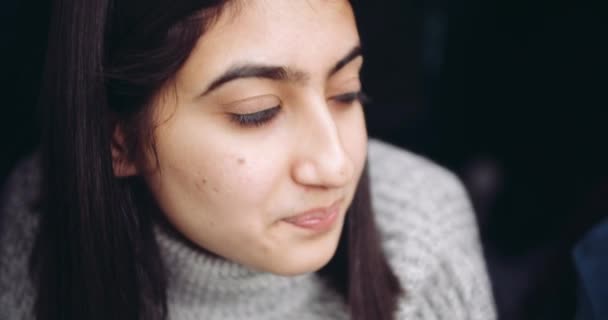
x=18 y=221
x=430 y=236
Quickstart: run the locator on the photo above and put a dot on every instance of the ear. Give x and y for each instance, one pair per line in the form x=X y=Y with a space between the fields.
x=122 y=165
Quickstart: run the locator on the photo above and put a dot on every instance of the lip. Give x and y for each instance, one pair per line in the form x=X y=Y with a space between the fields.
x=317 y=219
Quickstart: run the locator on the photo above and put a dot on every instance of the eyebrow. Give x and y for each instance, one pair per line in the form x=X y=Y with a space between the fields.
x=276 y=73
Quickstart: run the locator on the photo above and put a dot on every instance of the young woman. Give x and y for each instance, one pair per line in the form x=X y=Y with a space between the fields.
x=209 y=160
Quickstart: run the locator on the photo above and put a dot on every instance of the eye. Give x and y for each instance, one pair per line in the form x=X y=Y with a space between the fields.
x=255 y=119
x=351 y=97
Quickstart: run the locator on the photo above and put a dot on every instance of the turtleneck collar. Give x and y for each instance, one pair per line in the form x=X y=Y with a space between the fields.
x=202 y=284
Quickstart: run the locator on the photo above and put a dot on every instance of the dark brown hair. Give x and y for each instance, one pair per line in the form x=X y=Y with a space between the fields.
x=95 y=255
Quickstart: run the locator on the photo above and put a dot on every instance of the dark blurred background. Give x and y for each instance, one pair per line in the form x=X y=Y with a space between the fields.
x=509 y=94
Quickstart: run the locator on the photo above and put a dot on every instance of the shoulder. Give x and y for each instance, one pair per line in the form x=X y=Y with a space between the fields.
x=410 y=191
x=19 y=198
x=18 y=224
x=430 y=234
x=22 y=185
x=422 y=210
x=401 y=177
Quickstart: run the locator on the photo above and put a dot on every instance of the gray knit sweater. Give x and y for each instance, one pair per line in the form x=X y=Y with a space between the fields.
x=428 y=231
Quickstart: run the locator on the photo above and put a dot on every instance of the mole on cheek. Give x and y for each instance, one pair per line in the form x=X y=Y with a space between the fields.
x=198 y=183
x=241 y=161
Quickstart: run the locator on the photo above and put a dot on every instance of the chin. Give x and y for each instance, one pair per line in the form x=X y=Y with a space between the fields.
x=295 y=269
x=305 y=258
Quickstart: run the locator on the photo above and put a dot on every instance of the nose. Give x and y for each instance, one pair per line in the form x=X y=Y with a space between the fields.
x=321 y=159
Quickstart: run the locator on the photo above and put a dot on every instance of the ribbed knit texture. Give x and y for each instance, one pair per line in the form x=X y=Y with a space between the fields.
x=428 y=229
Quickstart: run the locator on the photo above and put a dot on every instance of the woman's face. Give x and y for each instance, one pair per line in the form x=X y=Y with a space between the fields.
x=261 y=125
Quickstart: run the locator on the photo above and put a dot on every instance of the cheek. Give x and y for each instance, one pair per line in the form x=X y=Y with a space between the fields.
x=218 y=175
x=244 y=180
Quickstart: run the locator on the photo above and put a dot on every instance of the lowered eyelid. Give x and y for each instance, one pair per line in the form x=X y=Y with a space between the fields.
x=345 y=86
x=253 y=104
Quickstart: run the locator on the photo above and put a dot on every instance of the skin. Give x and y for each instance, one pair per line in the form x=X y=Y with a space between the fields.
x=228 y=187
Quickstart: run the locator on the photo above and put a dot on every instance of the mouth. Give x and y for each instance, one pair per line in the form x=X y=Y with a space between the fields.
x=317 y=219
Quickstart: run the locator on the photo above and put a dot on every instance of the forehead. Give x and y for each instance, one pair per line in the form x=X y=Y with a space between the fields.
x=311 y=35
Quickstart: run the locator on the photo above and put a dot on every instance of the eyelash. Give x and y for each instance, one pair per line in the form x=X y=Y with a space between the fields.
x=255 y=119
x=351 y=97
x=258 y=119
